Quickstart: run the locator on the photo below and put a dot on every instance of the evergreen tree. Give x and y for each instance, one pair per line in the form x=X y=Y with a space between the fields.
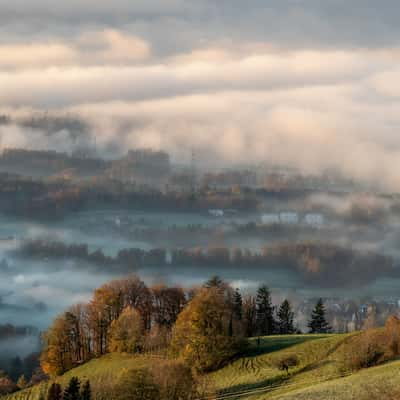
x=318 y=323
x=71 y=392
x=285 y=318
x=265 y=312
x=214 y=282
x=237 y=305
x=55 y=392
x=86 y=393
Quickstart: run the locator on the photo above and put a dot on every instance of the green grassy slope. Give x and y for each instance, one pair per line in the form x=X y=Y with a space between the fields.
x=102 y=373
x=255 y=371
x=378 y=382
x=319 y=375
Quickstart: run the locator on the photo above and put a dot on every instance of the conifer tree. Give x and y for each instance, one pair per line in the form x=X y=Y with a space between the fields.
x=55 y=392
x=265 y=312
x=71 y=392
x=86 y=393
x=237 y=305
x=318 y=323
x=285 y=319
x=214 y=282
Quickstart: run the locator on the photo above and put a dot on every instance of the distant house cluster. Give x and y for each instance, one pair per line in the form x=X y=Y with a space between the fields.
x=315 y=220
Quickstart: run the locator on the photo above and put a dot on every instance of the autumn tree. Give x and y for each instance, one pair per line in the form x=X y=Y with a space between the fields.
x=175 y=380
x=201 y=334
x=285 y=319
x=126 y=332
x=57 y=356
x=6 y=384
x=21 y=383
x=318 y=323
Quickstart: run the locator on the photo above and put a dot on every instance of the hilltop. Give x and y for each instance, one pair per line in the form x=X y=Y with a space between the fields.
x=320 y=374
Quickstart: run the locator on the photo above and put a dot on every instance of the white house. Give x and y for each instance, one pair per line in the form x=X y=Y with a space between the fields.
x=289 y=218
x=270 y=219
x=216 y=213
x=314 y=220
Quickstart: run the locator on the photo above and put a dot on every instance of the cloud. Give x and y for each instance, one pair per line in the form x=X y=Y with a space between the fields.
x=289 y=81
x=91 y=48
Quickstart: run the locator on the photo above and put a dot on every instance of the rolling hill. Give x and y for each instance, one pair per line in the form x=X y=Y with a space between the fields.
x=320 y=373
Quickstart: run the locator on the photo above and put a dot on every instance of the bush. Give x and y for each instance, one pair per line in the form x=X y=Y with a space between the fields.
x=285 y=362
x=175 y=381
x=137 y=384
x=365 y=350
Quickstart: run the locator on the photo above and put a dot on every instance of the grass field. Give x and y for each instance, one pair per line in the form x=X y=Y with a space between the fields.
x=101 y=372
x=320 y=373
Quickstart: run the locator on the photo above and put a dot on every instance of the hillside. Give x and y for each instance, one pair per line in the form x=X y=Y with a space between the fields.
x=320 y=373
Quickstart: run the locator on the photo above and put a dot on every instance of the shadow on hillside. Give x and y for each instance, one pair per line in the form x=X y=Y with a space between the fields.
x=271 y=344
x=272 y=382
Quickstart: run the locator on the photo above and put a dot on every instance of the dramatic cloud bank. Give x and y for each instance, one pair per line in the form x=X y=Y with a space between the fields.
x=305 y=83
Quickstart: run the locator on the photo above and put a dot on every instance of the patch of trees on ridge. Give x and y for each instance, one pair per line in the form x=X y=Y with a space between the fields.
x=56 y=198
x=320 y=264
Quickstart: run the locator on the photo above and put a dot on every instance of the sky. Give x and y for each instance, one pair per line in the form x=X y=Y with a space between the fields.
x=307 y=83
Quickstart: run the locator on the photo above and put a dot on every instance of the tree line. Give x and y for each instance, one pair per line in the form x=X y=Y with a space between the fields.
x=318 y=264
x=126 y=315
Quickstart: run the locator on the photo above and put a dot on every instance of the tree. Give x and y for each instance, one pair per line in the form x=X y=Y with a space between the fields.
x=57 y=355
x=167 y=304
x=214 y=282
x=285 y=319
x=137 y=384
x=249 y=316
x=175 y=380
x=285 y=362
x=201 y=333
x=126 y=332
x=265 y=312
x=237 y=305
x=71 y=392
x=55 y=392
x=21 y=383
x=318 y=323
x=6 y=384
x=86 y=393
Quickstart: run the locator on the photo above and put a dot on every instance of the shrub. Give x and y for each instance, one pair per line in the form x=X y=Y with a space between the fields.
x=137 y=384
x=285 y=362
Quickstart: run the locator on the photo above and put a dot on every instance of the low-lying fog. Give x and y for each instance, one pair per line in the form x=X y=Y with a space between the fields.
x=34 y=291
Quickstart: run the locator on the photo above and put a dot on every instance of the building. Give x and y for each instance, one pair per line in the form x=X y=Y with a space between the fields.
x=289 y=218
x=216 y=213
x=314 y=220
x=270 y=219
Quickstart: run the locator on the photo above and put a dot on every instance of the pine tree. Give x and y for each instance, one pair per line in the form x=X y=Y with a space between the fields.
x=318 y=323
x=285 y=318
x=237 y=305
x=86 y=393
x=265 y=312
x=71 y=392
x=214 y=282
x=55 y=392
